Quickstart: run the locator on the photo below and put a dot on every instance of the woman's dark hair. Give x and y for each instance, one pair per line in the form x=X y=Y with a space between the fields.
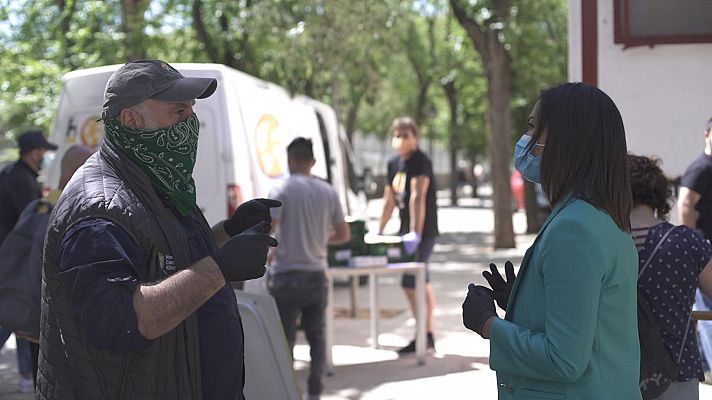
x=405 y=123
x=585 y=153
x=649 y=184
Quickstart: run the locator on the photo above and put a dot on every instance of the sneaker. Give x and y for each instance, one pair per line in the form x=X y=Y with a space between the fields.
x=26 y=385
x=410 y=348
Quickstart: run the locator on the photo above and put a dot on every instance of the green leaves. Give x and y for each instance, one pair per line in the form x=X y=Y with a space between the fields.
x=369 y=59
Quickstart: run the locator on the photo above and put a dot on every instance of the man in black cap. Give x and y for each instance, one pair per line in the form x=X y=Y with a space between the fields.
x=18 y=181
x=136 y=298
x=18 y=188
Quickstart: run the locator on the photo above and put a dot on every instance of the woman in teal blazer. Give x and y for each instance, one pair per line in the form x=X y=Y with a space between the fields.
x=570 y=330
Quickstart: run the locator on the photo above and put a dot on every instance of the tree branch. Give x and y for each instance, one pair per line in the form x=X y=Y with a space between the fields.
x=502 y=7
x=202 y=33
x=66 y=10
x=414 y=60
x=473 y=29
x=134 y=23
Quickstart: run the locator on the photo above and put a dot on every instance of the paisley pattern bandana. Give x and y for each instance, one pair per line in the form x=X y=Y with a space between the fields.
x=166 y=155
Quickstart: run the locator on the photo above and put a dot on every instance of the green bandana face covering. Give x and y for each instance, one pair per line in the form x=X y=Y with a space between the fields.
x=166 y=155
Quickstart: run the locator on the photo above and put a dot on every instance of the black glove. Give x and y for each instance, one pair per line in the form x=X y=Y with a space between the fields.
x=500 y=288
x=248 y=214
x=477 y=308
x=244 y=256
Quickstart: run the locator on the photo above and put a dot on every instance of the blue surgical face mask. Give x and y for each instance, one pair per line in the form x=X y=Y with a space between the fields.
x=525 y=162
x=47 y=160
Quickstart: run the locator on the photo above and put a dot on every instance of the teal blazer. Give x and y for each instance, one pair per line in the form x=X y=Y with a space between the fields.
x=571 y=327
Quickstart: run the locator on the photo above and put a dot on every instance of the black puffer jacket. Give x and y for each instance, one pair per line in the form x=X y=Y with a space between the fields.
x=71 y=368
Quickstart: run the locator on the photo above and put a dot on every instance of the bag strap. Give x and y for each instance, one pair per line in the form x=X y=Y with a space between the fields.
x=684 y=338
x=655 y=250
x=640 y=273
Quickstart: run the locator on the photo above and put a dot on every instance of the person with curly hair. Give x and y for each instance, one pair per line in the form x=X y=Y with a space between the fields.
x=680 y=266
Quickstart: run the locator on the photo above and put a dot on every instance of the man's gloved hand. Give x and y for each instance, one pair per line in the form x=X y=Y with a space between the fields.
x=411 y=240
x=244 y=256
x=501 y=289
x=477 y=308
x=248 y=214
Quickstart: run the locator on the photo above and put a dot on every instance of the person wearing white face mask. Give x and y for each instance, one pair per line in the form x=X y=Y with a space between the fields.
x=411 y=186
x=570 y=326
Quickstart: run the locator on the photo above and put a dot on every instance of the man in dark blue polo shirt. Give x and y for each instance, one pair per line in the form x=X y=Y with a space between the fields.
x=137 y=302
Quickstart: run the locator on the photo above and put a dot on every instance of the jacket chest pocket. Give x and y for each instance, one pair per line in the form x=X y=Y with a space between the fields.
x=527 y=394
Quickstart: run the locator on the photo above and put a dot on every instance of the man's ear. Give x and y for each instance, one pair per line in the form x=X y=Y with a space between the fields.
x=312 y=163
x=130 y=118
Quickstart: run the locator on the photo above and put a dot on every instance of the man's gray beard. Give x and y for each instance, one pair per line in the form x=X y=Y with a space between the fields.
x=148 y=120
x=150 y=123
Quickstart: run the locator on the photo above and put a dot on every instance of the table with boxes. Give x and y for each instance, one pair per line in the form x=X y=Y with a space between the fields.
x=373 y=255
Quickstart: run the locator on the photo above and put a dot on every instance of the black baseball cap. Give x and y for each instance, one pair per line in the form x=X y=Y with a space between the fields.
x=139 y=80
x=33 y=139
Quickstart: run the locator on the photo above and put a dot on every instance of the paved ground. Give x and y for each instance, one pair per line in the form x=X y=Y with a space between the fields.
x=458 y=370
x=9 y=377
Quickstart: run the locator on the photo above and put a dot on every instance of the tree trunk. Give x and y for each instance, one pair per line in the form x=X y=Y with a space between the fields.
x=335 y=100
x=472 y=157
x=498 y=93
x=351 y=120
x=421 y=102
x=486 y=40
x=424 y=74
x=133 y=24
x=451 y=94
x=202 y=33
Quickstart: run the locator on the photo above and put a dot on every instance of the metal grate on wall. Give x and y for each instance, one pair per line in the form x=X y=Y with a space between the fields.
x=669 y=17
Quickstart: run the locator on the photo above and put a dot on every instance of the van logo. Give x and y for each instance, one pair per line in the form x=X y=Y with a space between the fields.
x=270 y=151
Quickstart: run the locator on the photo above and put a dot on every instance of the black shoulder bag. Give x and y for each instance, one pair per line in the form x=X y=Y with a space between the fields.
x=657 y=367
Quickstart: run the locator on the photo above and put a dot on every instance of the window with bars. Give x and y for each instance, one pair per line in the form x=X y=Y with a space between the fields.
x=650 y=22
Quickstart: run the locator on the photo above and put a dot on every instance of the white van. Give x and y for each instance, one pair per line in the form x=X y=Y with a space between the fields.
x=245 y=127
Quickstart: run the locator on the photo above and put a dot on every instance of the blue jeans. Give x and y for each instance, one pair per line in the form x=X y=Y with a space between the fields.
x=24 y=355
x=704 y=329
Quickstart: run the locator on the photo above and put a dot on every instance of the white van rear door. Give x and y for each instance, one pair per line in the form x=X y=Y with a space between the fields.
x=265 y=111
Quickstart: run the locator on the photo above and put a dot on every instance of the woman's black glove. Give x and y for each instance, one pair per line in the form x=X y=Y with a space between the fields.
x=244 y=256
x=477 y=308
x=248 y=214
x=501 y=289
